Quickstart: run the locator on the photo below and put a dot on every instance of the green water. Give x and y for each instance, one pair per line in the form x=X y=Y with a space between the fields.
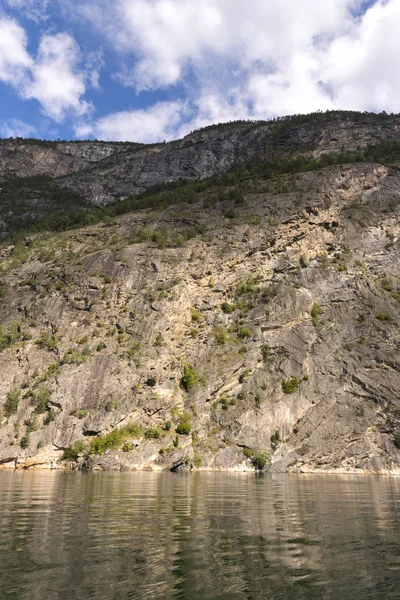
x=117 y=536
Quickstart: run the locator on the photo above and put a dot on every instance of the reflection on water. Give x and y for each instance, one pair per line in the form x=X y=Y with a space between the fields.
x=118 y=536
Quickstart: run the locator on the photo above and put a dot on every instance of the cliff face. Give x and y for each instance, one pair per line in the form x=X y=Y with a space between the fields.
x=225 y=333
x=104 y=172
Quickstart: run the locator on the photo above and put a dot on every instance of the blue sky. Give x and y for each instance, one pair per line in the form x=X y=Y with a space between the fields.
x=149 y=70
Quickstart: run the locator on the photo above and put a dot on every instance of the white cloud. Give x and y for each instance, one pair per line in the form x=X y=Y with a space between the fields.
x=362 y=68
x=255 y=59
x=229 y=60
x=52 y=77
x=165 y=37
x=14 y=59
x=55 y=82
x=16 y=128
x=159 y=122
x=36 y=10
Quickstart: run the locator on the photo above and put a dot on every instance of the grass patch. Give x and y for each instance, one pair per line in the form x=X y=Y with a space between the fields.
x=115 y=438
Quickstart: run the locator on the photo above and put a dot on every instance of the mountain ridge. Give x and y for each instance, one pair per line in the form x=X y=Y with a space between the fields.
x=246 y=320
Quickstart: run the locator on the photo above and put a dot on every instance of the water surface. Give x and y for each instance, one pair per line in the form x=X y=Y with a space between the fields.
x=117 y=536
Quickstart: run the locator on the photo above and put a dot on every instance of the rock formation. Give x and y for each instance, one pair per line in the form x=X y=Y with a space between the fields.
x=254 y=329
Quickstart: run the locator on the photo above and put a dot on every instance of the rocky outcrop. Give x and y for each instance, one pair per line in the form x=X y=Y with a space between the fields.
x=213 y=335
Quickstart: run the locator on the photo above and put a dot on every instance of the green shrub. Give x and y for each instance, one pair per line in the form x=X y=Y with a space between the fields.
x=154 y=433
x=115 y=438
x=244 y=332
x=196 y=316
x=221 y=335
x=159 y=340
x=244 y=376
x=183 y=428
x=397 y=441
x=25 y=441
x=101 y=346
x=304 y=262
x=79 y=413
x=47 y=341
x=381 y=316
x=167 y=426
x=31 y=424
x=72 y=452
x=316 y=311
x=189 y=378
x=227 y=308
x=133 y=351
x=290 y=385
x=10 y=335
x=260 y=460
x=51 y=415
x=248 y=452
x=42 y=399
x=73 y=358
x=265 y=352
x=248 y=286
x=275 y=438
x=225 y=402
x=11 y=403
x=197 y=460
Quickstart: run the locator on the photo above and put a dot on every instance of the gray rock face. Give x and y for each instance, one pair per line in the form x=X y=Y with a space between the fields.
x=204 y=154
x=104 y=171
x=304 y=369
x=213 y=335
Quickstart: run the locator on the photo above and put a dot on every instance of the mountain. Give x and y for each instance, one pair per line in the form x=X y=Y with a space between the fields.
x=227 y=301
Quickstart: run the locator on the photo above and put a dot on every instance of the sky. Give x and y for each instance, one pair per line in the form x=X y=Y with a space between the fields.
x=154 y=70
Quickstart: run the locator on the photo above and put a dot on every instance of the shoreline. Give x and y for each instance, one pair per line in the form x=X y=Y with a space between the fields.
x=12 y=466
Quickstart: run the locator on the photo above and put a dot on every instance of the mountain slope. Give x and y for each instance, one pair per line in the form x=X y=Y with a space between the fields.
x=42 y=178
x=240 y=330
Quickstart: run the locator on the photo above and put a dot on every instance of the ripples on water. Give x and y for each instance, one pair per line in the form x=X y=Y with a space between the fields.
x=118 y=536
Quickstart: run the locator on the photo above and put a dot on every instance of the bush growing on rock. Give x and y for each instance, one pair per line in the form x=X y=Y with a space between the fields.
x=259 y=461
x=42 y=399
x=47 y=341
x=115 y=438
x=25 y=441
x=10 y=335
x=248 y=286
x=316 y=311
x=382 y=316
x=227 y=308
x=154 y=433
x=72 y=452
x=189 y=378
x=11 y=403
x=304 y=262
x=275 y=438
x=290 y=385
x=243 y=377
x=79 y=413
x=184 y=426
x=196 y=315
x=244 y=332
x=265 y=352
x=221 y=335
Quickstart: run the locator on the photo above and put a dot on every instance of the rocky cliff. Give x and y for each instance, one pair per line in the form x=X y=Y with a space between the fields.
x=254 y=327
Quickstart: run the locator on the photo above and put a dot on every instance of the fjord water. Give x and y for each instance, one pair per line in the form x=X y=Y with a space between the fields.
x=117 y=536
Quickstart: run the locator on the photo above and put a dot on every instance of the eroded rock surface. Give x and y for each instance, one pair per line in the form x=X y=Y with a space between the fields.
x=272 y=330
